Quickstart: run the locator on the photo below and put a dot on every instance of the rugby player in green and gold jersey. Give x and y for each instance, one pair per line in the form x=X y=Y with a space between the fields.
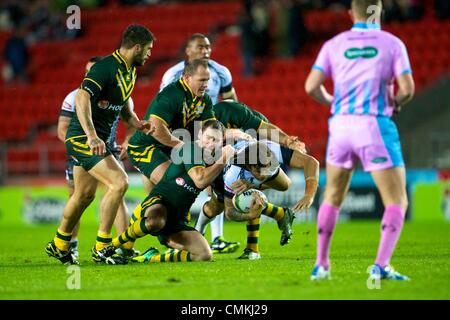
x=103 y=95
x=178 y=106
x=164 y=212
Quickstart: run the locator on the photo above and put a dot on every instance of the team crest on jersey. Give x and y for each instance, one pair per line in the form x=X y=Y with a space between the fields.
x=180 y=181
x=103 y=104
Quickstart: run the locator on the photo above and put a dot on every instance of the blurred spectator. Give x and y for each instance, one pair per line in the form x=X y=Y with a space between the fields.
x=442 y=8
x=247 y=41
x=403 y=10
x=16 y=57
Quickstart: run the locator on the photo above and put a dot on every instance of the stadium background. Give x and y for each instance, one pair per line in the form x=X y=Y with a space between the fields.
x=33 y=159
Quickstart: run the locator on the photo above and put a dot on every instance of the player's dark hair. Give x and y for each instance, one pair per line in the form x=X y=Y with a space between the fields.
x=256 y=154
x=213 y=124
x=95 y=59
x=136 y=34
x=362 y=7
x=194 y=37
x=191 y=67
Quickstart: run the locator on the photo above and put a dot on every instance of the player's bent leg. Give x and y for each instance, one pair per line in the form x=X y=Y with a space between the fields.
x=208 y=213
x=188 y=245
x=150 y=220
x=159 y=172
x=109 y=172
x=392 y=186
x=121 y=223
x=85 y=187
x=338 y=181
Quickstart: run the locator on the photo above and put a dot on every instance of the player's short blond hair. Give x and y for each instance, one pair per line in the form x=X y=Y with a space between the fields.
x=361 y=8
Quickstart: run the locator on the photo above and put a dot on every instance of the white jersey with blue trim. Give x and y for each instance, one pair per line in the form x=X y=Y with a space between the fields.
x=220 y=78
x=68 y=109
x=233 y=173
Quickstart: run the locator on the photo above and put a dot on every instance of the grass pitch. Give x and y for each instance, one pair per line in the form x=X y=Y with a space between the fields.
x=423 y=254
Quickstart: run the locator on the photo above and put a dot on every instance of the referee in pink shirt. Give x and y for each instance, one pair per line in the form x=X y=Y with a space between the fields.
x=364 y=63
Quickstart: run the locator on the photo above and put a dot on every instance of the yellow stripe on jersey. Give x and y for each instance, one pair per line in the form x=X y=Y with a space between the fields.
x=135 y=153
x=116 y=54
x=154 y=115
x=92 y=80
x=199 y=166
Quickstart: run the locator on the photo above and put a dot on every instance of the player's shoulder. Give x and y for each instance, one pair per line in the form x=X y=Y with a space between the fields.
x=177 y=68
x=391 y=38
x=219 y=68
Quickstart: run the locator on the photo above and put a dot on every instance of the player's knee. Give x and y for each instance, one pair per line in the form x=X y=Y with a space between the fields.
x=205 y=255
x=155 y=224
x=211 y=209
x=121 y=185
x=84 y=196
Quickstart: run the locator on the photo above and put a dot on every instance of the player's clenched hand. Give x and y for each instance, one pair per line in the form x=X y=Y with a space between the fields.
x=146 y=127
x=97 y=145
x=304 y=203
x=241 y=186
x=294 y=143
x=227 y=153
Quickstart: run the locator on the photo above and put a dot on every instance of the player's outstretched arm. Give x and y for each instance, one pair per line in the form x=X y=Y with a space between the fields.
x=274 y=133
x=84 y=113
x=132 y=121
x=311 y=170
x=162 y=133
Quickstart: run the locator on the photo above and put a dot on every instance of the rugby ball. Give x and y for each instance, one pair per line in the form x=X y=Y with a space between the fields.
x=242 y=201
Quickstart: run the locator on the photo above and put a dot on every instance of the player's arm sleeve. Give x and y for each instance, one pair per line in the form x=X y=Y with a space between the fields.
x=191 y=156
x=248 y=120
x=67 y=107
x=226 y=81
x=163 y=108
x=228 y=179
x=97 y=78
x=322 y=62
x=167 y=79
x=131 y=104
x=401 y=64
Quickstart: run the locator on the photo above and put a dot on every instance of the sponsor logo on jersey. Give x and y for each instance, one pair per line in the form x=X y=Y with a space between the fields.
x=179 y=181
x=104 y=104
x=366 y=53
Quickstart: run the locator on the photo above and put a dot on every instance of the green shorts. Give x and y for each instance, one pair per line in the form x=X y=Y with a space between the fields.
x=79 y=151
x=176 y=221
x=146 y=158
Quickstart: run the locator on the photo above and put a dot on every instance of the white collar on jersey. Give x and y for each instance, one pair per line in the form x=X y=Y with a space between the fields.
x=362 y=26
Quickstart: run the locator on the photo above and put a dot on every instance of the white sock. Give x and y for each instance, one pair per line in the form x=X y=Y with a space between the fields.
x=202 y=222
x=217 y=227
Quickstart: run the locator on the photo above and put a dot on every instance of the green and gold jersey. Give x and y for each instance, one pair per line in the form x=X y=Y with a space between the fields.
x=109 y=82
x=237 y=115
x=176 y=186
x=177 y=107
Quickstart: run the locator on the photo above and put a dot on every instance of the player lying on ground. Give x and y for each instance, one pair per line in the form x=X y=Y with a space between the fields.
x=164 y=212
x=258 y=167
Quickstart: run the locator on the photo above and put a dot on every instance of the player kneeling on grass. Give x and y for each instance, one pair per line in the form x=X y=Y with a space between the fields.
x=257 y=166
x=164 y=212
